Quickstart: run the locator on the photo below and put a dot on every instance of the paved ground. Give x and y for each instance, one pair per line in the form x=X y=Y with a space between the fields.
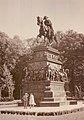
x=42 y=109
x=71 y=116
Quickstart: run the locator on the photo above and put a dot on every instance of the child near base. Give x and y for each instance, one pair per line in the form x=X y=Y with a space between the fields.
x=31 y=101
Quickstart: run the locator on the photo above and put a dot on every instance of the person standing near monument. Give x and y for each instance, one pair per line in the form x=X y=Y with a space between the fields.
x=31 y=101
x=25 y=100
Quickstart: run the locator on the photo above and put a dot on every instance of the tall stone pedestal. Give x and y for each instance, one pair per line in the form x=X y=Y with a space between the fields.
x=42 y=80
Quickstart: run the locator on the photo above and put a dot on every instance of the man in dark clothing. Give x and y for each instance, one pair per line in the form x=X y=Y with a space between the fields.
x=49 y=28
x=47 y=22
x=25 y=100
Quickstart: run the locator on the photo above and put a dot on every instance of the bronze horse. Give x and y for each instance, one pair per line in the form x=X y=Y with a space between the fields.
x=42 y=29
x=45 y=31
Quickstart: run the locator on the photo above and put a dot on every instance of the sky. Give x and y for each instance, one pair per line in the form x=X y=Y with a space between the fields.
x=18 y=17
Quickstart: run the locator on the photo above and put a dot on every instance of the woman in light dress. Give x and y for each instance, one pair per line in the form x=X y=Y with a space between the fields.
x=31 y=100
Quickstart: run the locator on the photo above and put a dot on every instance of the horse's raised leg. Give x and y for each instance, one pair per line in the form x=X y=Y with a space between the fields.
x=44 y=39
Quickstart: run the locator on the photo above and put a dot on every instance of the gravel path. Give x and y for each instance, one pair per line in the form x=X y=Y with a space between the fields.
x=71 y=116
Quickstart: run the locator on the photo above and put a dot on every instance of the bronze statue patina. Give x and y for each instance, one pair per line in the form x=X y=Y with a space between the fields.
x=46 y=29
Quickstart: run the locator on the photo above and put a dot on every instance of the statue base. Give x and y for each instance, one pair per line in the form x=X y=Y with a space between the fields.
x=54 y=94
x=47 y=93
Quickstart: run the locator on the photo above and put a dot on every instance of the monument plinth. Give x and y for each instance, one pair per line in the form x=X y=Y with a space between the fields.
x=43 y=80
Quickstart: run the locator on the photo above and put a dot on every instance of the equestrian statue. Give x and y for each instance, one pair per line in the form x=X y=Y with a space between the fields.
x=46 y=29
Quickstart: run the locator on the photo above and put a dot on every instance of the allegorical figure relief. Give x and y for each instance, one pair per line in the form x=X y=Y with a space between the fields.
x=63 y=75
x=46 y=73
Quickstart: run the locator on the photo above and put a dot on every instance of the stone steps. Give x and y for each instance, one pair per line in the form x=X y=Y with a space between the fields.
x=48 y=94
x=48 y=99
x=57 y=103
x=49 y=104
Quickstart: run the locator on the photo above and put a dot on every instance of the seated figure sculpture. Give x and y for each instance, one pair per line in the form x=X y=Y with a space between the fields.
x=63 y=75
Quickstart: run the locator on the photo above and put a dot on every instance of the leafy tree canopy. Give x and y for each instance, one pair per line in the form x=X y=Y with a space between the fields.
x=71 y=47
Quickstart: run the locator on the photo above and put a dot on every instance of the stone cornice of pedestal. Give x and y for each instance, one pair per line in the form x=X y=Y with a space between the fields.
x=45 y=48
x=57 y=82
x=49 y=51
x=41 y=60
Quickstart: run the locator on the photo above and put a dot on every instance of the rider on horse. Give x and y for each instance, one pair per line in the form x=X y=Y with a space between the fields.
x=46 y=28
x=50 y=31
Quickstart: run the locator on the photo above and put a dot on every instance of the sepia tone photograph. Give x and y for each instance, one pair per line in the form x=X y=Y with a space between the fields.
x=41 y=59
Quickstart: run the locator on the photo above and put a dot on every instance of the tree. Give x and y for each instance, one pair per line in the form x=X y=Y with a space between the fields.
x=72 y=56
x=10 y=52
x=19 y=74
x=24 y=54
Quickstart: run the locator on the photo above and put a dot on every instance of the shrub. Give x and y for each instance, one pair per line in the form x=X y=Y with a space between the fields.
x=6 y=99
